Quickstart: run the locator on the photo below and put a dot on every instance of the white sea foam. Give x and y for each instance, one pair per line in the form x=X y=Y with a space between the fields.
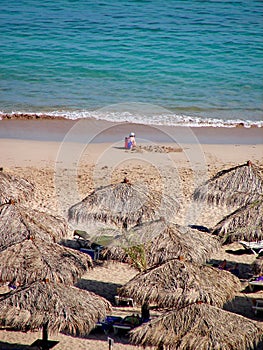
x=148 y=117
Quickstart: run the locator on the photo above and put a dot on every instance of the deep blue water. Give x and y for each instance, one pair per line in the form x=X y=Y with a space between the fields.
x=201 y=60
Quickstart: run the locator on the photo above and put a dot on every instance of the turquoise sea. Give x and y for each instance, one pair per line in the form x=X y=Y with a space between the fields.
x=193 y=62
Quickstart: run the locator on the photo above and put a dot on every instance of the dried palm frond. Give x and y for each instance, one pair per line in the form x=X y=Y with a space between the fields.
x=18 y=223
x=14 y=188
x=63 y=308
x=179 y=282
x=163 y=241
x=122 y=204
x=35 y=259
x=199 y=326
x=239 y=185
x=245 y=223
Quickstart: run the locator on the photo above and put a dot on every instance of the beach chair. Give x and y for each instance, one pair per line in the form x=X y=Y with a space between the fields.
x=107 y=324
x=127 y=324
x=82 y=238
x=258 y=306
x=124 y=301
x=255 y=247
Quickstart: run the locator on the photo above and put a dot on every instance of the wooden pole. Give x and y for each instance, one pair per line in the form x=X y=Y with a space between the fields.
x=45 y=336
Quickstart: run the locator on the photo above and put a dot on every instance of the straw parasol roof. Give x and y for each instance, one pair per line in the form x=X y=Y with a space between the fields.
x=163 y=241
x=179 y=282
x=122 y=204
x=246 y=223
x=62 y=308
x=175 y=241
x=235 y=186
x=14 y=188
x=199 y=326
x=35 y=259
x=18 y=223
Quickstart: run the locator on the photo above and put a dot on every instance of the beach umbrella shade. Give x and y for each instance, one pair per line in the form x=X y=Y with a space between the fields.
x=178 y=282
x=199 y=326
x=54 y=307
x=18 y=223
x=163 y=241
x=245 y=223
x=35 y=259
x=122 y=204
x=14 y=188
x=234 y=187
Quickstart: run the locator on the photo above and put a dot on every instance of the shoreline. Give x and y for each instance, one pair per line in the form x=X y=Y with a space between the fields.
x=141 y=115
x=99 y=131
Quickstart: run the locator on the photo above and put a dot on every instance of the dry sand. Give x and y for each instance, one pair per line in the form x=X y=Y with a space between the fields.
x=67 y=160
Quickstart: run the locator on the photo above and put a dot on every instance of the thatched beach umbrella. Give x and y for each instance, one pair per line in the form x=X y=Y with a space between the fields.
x=163 y=241
x=246 y=223
x=35 y=259
x=235 y=186
x=180 y=241
x=179 y=282
x=52 y=306
x=199 y=326
x=122 y=204
x=14 y=188
x=18 y=223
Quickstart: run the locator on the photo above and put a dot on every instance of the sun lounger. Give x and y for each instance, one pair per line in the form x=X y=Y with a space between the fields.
x=258 y=306
x=120 y=300
x=107 y=324
x=253 y=284
x=255 y=247
x=92 y=253
x=127 y=323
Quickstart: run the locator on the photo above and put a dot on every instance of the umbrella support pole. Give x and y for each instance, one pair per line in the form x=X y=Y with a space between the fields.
x=45 y=336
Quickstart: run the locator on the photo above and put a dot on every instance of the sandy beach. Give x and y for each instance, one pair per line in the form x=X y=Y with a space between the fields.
x=66 y=160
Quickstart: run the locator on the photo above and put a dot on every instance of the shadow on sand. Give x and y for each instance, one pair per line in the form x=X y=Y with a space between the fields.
x=104 y=289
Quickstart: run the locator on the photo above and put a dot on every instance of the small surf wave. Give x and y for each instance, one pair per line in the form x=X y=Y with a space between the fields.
x=146 y=117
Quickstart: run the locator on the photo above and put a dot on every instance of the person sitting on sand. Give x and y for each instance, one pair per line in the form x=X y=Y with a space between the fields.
x=132 y=140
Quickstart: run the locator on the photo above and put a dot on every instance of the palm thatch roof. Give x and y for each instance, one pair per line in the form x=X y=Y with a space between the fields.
x=235 y=186
x=14 y=188
x=178 y=282
x=199 y=326
x=63 y=308
x=246 y=223
x=175 y=241
x=163 y=241
x=18 y=223
x=122 y=204
x=35 y=259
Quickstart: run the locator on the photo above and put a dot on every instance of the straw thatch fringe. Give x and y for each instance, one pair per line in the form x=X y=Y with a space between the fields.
x=163 y=241
x=124 y=205
x=65 y=308
x=246 y=223
x=36 y=259
x=175 y=241
x=14 y=188
x=199 y=326
x=18 y=223
x=235 y=186
x=178 y=282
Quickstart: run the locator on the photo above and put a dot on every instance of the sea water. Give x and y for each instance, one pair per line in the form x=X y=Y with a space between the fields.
x=193 y=62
